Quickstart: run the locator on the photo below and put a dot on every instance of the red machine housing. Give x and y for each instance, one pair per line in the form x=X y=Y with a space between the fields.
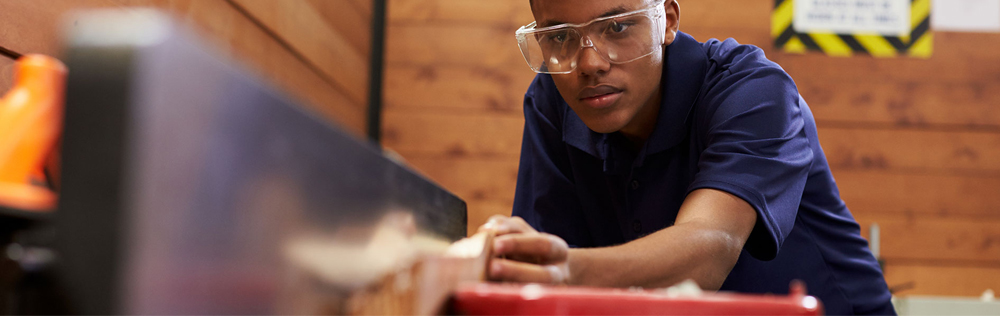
x=509 y=299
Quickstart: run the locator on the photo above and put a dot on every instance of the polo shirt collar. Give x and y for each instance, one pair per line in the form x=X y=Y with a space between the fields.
x=686 y=65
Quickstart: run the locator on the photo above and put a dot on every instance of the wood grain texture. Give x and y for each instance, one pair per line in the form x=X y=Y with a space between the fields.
x=968 y=105
x=905 y=104
x=740 y=14
x=929 y=195
x=348 y=20
x=489 y=176
x=301 y=26
x=475 y=124
x=248 y=42
x=971 y=153
x=34 y=27
x=362 y=6
x=902 y=91
x=472 y=179
x=503 y=13
x=958 y=58
x=473 y=90
x=495 y=46
x=942 y=280
x=6 y=74
x=916 y=172
x=934 y=240
x=440 y=44
x=439 y=134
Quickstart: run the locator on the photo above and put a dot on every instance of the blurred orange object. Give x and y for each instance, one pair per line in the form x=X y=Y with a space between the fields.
x=31 y=115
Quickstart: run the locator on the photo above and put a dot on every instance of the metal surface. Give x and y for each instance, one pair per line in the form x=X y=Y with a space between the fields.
x=186 y=180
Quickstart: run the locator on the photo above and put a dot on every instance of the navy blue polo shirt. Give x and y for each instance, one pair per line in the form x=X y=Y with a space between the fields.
x=730 y=120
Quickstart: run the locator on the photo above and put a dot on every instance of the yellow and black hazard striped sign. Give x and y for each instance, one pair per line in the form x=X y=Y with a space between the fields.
x=918 y=43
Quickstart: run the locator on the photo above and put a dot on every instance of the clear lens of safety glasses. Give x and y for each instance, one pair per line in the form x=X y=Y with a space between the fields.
x=619 y=39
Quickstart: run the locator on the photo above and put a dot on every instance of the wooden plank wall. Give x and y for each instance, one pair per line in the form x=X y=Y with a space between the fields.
x=6 y=74
x=914 y=144
x=315 y=50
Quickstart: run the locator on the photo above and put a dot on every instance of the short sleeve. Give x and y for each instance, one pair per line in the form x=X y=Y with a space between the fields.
x=545 y=194
x=756 y=147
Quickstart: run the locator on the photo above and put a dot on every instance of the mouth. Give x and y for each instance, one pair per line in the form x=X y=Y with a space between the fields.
x=600 y=97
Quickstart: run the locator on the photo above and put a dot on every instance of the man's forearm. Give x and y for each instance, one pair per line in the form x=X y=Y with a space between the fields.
x=685 y=251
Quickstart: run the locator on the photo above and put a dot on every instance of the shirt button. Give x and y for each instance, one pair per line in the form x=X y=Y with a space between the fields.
x=637 y=226
x=635 y=184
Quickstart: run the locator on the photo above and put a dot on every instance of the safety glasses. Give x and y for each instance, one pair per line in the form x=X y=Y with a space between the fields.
x=619 y=39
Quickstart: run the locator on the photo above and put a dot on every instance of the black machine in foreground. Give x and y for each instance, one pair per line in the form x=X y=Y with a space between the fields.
x=187 y=182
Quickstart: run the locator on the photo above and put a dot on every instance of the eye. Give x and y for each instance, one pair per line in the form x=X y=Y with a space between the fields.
x=559 y=37
x=618 y=27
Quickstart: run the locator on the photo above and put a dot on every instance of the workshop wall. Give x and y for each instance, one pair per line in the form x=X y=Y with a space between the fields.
x=6 y=74
x=316 y=50
x=914 y=144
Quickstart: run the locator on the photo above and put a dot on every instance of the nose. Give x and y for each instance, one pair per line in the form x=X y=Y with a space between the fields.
x=590 y=61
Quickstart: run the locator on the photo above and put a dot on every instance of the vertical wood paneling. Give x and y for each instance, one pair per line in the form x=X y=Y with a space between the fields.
x=29 y=26
x=348 y=20
x=304 y=29
x=937 y=280
x=6 y=74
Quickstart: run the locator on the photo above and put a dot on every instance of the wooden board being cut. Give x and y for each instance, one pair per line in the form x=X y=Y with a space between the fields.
x=423 y=288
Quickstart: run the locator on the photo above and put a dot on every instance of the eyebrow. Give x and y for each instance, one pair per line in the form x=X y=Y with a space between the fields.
x=616 y=10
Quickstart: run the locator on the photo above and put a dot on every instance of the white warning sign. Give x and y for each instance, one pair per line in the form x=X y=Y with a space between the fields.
x=883 y=17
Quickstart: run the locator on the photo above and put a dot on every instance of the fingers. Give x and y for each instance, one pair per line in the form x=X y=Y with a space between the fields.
x=536 y=248
x=528 y=256
x=513 y=271
x=503 y=225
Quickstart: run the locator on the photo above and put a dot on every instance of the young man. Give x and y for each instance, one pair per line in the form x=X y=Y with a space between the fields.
x=649 y=158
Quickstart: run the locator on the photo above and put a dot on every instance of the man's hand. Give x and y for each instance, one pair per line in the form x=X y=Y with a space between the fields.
x=522 y=254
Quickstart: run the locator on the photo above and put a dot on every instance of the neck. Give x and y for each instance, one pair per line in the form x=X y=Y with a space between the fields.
x=642 y=125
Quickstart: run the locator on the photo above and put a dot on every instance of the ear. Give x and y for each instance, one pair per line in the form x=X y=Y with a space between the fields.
x=673 y=15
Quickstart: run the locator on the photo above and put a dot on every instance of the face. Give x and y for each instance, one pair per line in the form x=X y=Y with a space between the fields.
x=609 y=97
